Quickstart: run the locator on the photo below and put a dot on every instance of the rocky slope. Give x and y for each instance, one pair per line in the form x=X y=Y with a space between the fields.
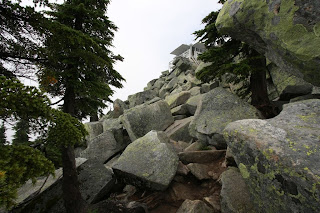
x=184 y=146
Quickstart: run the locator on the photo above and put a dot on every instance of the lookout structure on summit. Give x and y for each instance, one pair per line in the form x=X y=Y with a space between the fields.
x=191 y=51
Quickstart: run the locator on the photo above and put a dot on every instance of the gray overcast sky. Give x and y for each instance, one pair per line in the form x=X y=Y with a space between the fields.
x=148 y=31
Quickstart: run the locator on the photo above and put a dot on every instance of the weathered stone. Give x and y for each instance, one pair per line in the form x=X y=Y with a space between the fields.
x=206 y=87
x=180 y=110
x=116 y=127
x=141 y=97
x=173 y=83
x=213 y=202
x=230 y=159
x=94 y=129
x=118 y=108
x=201 y=66
x=140 y=120
x=102 y=147
x=286 y=32
x=200 y=156
x=95 y=181
x=177 y=99
x=196 y=146
x=200 y=171
x=182 y=169
x=216 y=109
x=294 y=91
x=235 y=196
x=195 y=91
x=277 y=157
x=159 y=83
x=149 y=162
x=28 y=189
x=179 y=146
x=194 y=206
x=179 y=130
x=193 y=102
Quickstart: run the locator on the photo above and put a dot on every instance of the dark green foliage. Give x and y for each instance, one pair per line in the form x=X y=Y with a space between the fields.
x=78 y=54
x=17 y=165
x=16 y=49
x=3 y=138
x=22 y=131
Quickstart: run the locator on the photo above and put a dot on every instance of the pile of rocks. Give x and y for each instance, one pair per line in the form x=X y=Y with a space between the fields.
x=171 y=147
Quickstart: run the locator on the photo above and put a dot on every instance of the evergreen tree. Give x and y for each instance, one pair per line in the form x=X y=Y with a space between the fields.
x=3 y=138
x=228 y=55
x=20 y=39
x=22 y=131
x=79 y=69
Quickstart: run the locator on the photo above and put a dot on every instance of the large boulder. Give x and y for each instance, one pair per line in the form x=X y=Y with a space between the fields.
x=235 y=196
x=149 y=162
x=139 y=120
x=279 y=157
x=177 y=99
x=216 y=109
x=286 y=32
x=141 y=97
x=102 y=147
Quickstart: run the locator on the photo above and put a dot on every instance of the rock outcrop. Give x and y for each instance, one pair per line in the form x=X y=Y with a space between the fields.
x=278 y=157
x=286 y=32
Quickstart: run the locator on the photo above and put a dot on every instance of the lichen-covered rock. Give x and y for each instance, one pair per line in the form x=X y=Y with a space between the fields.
x=94 y=129
x=235 y=196
x=193 y=102
x=287 y=32
x=141 y=97
x=279 y=157
x=102 y=147
x=149 y=162
x=139 y=120
x=117 y=129
x=216 y=109
x=194 y=206
x=118 y=108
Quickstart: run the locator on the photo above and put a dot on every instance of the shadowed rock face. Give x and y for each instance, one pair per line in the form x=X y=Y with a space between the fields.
x=279 y=158
x=287 y=32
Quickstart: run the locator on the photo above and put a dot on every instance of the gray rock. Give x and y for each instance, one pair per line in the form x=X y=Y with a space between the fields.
x=286 y=33
x=149 y=162
x=95 y=180
x=140 y=120
x=116 y=127
x=94 y=129
x=173 y=83
x=194 y=206
x=216 y=109
x=180 y=110
x=200 y=156
x=159 y=83
x=235 y=196
x=177 y=99
x=141 y=97
x=179 y=117
x=206 y=87
x=201 y=66
x=193 y=103
x=195 y=91
x=118 y=108
x=277 y=157
x=200 y=171
x=179 y=130
x=293 y=91
x=102 y=147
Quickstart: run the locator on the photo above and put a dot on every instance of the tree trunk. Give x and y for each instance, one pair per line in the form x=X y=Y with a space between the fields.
x=73 y=201
x=258 y=86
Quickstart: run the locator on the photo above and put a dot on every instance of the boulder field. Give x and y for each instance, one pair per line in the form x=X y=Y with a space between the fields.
x=186 y=146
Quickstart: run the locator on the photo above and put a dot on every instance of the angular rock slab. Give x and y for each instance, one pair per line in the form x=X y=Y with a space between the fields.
x=287 y=32
x=148 y=162
x=177 y=99
x=139 y=120
x=235 y=196
x=102 y=147
x=141 y=97
x=216 y=109
x=94 y=129
x=179 y=130
x=279 y=158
